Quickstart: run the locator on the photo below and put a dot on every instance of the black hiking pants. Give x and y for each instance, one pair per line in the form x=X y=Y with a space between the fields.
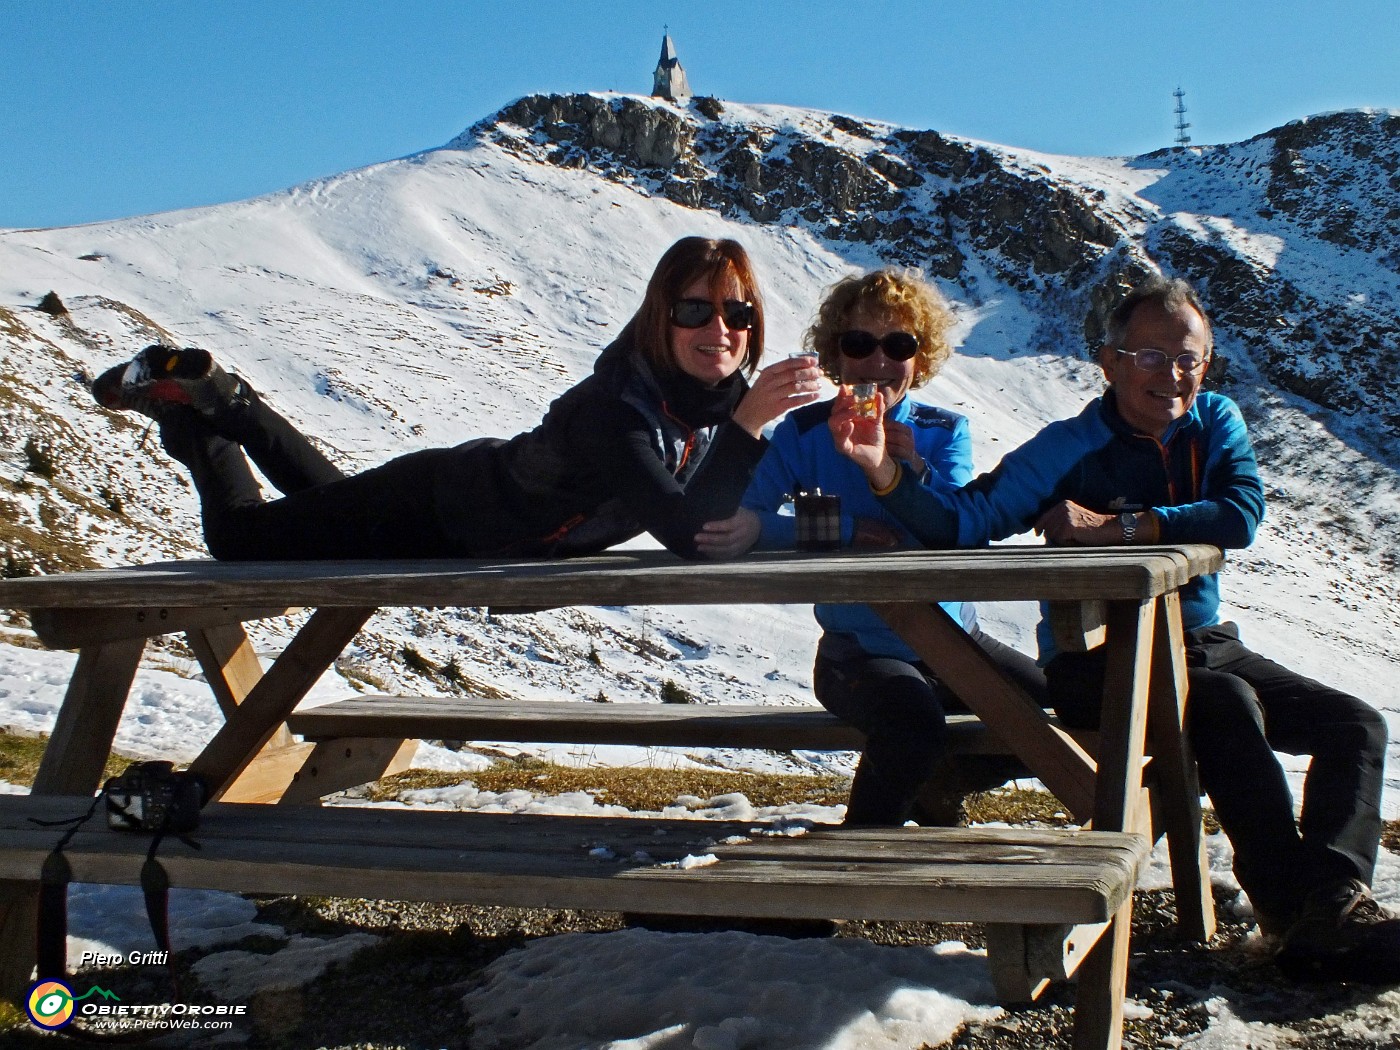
x=386 y=512
x=1240 y=709
x=900 y=707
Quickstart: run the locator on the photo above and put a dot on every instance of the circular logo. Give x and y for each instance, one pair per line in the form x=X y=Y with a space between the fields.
x=50 y=1004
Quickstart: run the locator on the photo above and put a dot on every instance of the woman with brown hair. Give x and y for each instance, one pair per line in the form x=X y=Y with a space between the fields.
x=661 y=437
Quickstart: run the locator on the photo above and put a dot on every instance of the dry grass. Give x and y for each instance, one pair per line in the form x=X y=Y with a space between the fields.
x=20 y=755
x=635 y=788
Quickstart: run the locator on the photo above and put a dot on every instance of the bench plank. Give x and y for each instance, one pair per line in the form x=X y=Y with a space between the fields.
x=934 y=874
x=582 y=722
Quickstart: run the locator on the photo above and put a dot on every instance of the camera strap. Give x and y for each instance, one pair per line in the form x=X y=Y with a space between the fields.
x=51 y=948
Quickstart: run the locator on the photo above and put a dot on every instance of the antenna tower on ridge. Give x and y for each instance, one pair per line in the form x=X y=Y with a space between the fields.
x=1182 y=139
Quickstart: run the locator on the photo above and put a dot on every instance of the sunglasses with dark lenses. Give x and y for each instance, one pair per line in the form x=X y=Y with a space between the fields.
x=697 y=313
x=898 y=346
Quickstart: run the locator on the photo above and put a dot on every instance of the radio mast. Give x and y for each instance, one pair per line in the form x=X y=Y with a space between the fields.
x=1182 y=139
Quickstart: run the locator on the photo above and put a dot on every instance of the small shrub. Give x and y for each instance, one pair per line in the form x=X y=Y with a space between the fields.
x=113 y=500
x=671 y=693
x=39 y=458
x=601 y=698
x=52 y=305
x=416 y=661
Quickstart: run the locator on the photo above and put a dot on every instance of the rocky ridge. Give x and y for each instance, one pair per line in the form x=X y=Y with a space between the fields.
x=977 y=216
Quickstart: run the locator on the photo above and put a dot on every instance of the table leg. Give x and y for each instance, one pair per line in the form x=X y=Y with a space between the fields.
x=1103 y=984
x=72 y=764
x=1123 y=723
x=1051 y=754
x=267 y=705
x=1174 y=772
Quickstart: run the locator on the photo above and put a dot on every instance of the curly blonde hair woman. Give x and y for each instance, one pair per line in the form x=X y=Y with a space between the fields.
x=888 y=328
x=901 y=295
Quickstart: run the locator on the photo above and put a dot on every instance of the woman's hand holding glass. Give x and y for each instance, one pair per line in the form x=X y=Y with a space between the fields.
x=780 y=387
x=861 y=438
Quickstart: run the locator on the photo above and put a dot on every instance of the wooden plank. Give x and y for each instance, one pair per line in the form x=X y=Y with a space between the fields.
x=269 y=775
x=82 y=736
x=335 y=765
x=1123 y=721
x=1052 y=755
x=74 y=628
x=19 y=904
x=1078 y=626
x=577 y=722
x=269 y=703
x=230 y=665
x=632 y=578
x=435 y=859
x=1103 y=985
x=1177 y=787
x=584 y=722
x=1025 y=959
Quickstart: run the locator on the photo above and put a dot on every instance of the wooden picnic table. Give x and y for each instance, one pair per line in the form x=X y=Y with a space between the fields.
x=1124 y=596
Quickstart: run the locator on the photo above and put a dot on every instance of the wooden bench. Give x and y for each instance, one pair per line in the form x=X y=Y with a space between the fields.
x=366 y=737
x=1046 y=897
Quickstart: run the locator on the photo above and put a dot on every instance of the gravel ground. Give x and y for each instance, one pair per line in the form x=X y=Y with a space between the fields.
x=405 y=993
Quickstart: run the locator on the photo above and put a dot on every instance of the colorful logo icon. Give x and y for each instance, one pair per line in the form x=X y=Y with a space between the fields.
x=50 y=1005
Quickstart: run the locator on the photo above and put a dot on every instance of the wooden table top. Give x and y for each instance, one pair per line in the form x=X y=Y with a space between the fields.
x=633 y=578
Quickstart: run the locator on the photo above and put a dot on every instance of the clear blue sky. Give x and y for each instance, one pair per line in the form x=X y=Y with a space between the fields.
x=111 y=108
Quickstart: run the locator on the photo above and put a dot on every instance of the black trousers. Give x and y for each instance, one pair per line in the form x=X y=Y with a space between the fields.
x=1241 y=708
x=900 y=707
x=387 y=512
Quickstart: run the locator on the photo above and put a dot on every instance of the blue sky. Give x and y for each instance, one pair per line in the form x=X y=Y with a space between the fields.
x=111 y=108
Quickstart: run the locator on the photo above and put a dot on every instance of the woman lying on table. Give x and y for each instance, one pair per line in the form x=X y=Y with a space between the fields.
x=888 y=328
x=662 y=437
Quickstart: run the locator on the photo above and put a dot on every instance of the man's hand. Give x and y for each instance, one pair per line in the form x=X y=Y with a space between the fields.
x=728 y=537
x=1068 y=524
x=899 y=443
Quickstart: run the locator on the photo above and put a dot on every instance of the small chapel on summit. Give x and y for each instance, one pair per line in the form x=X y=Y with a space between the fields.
x=669 y=80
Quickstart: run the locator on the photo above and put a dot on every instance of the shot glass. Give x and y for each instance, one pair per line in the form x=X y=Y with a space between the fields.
x=865 y=399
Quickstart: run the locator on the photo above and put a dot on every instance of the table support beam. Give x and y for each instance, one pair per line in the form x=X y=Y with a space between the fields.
x=1050 y=753
x=276 y=694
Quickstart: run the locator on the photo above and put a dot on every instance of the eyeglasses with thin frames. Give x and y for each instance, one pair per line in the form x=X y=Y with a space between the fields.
x=1150 y=359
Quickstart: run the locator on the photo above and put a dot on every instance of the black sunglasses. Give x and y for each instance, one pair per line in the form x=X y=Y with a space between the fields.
x=738 y=314
x=898 y=346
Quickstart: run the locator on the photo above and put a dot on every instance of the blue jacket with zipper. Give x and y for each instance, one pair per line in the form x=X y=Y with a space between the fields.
x=1200 y=480
x=801 y=458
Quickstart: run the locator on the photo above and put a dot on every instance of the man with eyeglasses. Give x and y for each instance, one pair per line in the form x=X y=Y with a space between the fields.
x=1156 y=459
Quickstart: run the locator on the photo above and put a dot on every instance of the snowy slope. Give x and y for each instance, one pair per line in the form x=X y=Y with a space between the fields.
x=453 y=293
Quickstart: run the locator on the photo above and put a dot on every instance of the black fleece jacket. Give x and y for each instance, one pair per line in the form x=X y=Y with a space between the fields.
x=623 y=452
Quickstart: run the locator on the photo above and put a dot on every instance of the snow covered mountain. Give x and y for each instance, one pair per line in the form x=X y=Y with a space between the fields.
x=451 y=294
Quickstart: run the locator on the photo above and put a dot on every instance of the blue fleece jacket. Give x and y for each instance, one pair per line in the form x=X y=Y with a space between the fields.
x=801 y=458
x=1200 y=480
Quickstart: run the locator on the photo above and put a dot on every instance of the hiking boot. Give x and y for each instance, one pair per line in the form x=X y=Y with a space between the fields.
x=161 y=377
x=1343 y=934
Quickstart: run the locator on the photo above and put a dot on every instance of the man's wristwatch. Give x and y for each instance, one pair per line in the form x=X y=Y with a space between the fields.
x=1128 y=522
